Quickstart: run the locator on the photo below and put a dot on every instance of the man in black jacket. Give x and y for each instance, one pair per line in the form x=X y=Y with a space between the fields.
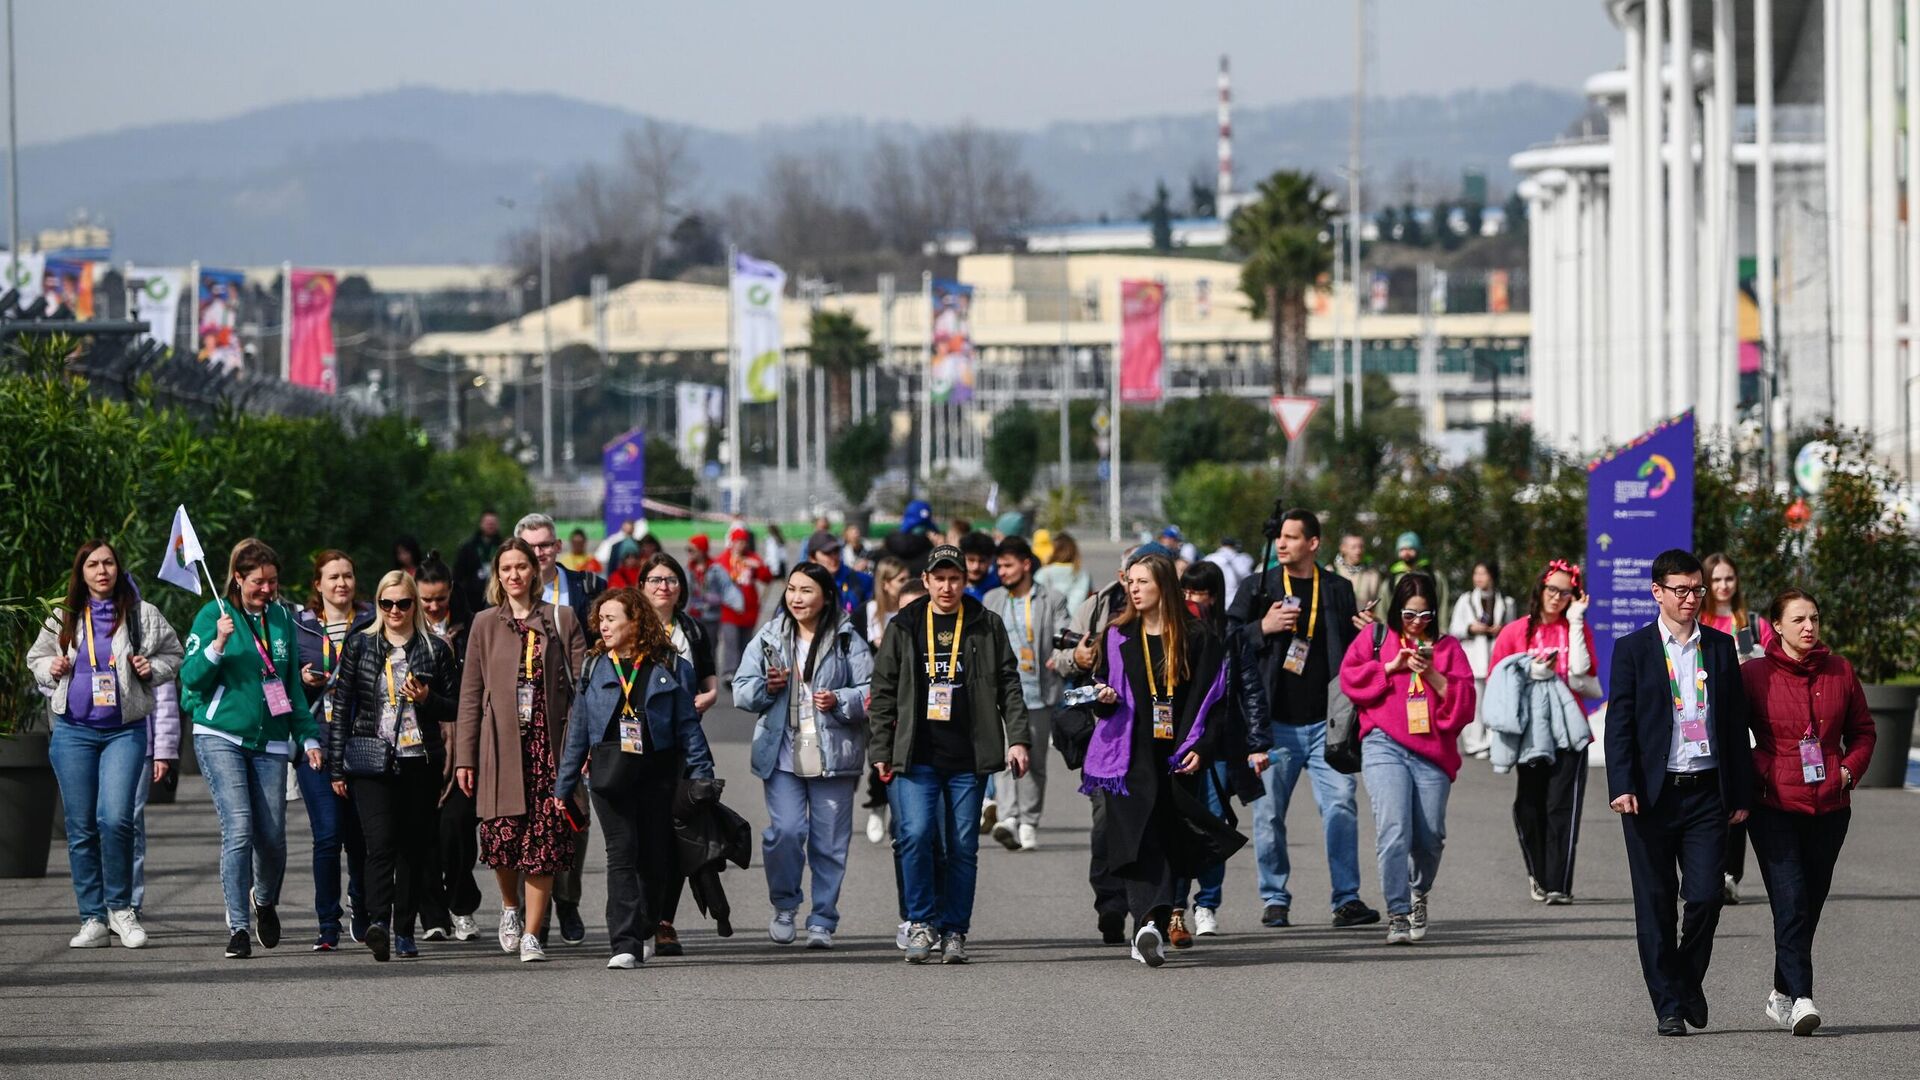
x=1678 y=772
x=473 y=563
x=1297 y=621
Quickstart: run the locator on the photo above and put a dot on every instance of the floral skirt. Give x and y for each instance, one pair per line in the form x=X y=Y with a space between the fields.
x=539 y=841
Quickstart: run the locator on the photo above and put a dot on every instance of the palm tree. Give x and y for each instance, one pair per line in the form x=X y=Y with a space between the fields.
x=1286 y=238
x=841 y=347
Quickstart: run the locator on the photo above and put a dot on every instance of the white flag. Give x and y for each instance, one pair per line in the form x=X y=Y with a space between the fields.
x=698 y=416
x=156 y=302
x=28 y=274
x=183 y=550
x=757 y=339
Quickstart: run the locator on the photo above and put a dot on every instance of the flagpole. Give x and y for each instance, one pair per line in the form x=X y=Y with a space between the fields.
x=1113 y=459
x=193 y=308
x=735 y=383
x=208 y=574
x=926 y=382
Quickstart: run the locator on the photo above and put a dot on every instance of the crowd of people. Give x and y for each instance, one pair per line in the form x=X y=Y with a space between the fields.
x=499 y=711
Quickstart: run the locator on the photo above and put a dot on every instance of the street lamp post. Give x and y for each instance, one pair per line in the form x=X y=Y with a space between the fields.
x=546 y=339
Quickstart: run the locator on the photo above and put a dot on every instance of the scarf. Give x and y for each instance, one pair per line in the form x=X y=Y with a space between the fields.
x=1111 y=750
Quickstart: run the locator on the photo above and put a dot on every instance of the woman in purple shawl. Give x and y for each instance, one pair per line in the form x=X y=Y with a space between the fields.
x=1161 y=673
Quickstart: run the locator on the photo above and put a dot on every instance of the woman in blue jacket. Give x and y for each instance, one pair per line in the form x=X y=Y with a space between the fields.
x=634 y=718
x=806 y=674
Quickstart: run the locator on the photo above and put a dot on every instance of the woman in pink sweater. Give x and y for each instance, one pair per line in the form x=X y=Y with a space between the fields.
x=1414 y=692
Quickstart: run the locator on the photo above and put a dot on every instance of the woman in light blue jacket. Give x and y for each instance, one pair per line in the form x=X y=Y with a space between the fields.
x=806 y=674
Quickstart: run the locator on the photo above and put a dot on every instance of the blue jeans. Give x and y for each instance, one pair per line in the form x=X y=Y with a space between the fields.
x=1213 y=877
x=334 y=826
x=99 y=775
x=1409 y=797
x=932 y=807
x=809 y=823
x=250 y=794
x=1297 y=747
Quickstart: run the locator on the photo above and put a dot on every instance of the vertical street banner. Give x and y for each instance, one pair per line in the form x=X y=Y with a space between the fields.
x=1497 y=300
x=1379 y=289
x=698 y=411
x=757 y=337
x=156 y=302
x=69 y=284
x=217 y=315
x=952 y=375
x=623 y=468
x=1639 y=504
x=26 y=274
x=1140 y=346
x=310 y=357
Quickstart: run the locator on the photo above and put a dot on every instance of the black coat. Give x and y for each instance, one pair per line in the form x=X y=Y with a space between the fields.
x=361 y=688
x=1640 y=717
x=1269 y=652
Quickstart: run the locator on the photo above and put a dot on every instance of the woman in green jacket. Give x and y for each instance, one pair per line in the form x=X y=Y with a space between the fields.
x=241 y=685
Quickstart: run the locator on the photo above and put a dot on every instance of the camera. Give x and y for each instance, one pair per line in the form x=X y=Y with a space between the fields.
x=1065 y=638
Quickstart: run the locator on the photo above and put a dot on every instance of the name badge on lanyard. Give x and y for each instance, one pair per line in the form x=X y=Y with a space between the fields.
x=1027 y=665
x=1296 y=661
x=940 y=701
x=523 y=692
x=1162 y=718
x=278 y=703
x=106 y=693
x=940 y=686
x=1813 y=761
x=1693 y=729
x=1419 y=722
x=631 y=741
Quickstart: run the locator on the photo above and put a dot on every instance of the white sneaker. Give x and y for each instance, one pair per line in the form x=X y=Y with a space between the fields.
x=780 y=928
x=901 y=935
x=876 y=826
x=1729 y=889
x=93 y=935
x=1805 y=1018
x=1206 y=922
x=1029 y=837
x=464 y=928
x=1779 y=1008
x=625 y=961
x=1149 y=947
x=646 y=950
x=1006 y=835
x=126 y=925
x=531 y=951
x=819 y=937
x=1534 y=890
x=510 y=927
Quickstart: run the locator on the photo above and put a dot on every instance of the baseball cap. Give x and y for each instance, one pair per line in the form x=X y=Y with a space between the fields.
x=1146 y=549
x=1172 y=532
x=944 y=556
x=822 y=541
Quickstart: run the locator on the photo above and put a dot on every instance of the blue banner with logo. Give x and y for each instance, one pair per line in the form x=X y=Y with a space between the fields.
x=1639 y=504
x=623 y=464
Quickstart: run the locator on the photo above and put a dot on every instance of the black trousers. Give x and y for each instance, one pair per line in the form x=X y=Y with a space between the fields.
x=876 y=790
x=1737 y=850
x=1546 y=814
x=1109 y=891
x=1149 y=881
x=401 y=826
x=1676 y=848
x=452 y=890
x=1796 y=853
x=637 y=826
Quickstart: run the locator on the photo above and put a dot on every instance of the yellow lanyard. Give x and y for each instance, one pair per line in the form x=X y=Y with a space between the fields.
x=529 y=655
x=393 y=696
x=1313 y=614
x=933 y=655
x=1153 y=688
x=1029 y=615
x=93 y=662
x=555 y=598
x=626 y=682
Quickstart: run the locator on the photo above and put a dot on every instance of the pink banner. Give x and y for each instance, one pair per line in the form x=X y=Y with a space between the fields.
x=1140 y=351
x=310 y=340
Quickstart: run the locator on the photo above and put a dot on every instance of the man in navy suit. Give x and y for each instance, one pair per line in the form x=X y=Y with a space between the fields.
x=1679 y=772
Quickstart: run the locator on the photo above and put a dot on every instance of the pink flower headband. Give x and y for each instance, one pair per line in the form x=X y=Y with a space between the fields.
x=1562 y=566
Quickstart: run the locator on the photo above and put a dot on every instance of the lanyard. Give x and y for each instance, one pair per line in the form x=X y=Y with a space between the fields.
x=555 y=598
x=93 y=663
x=393 y=697
x=1699 y=684
x=1028 y=617
x=1417 y=687
x=626 y=682
x=1313 y=614
x=529 y=660
x=933 y=656
x=1146 y=650
x=266 y=632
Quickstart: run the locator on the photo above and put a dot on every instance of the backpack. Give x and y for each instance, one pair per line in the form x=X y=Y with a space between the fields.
x=1343 y=719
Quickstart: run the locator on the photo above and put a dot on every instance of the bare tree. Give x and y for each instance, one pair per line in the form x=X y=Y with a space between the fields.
x=973 y=180
x=897 y=198
x=660 y=171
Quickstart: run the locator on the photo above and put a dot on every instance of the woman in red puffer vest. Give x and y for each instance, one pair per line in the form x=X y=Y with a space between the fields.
x=1812 y=737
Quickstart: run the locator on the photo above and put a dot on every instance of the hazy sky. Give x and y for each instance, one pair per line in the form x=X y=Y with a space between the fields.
x=87 y=66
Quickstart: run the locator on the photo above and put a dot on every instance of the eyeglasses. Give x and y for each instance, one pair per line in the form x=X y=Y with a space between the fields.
x=1416 y=616
x=667 y=582
x=551 y=545
x=1698 y=592
x=405 y=603
x=1557 y=592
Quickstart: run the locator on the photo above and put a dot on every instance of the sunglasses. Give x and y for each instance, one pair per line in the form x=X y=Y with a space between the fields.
x=1416 y=616
x=405 y=603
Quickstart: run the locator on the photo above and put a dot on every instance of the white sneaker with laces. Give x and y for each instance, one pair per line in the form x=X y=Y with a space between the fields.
x=127 y=925
x=1417 y=918
x=901 y=936
x=464 y=928
x=510 y=927
x=1805 y=1018
x=780 y=928
x=531 y=951
x=1534 y=890
x=819 y=937
x=93 y=935
x=876 y=826
x=1029 y=837
x=1780 y=1008
x=1206 y=922
x=625 y=961
x=1149 y=947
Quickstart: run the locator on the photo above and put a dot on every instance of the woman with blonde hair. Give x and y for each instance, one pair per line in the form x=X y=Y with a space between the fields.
x=1063 y=573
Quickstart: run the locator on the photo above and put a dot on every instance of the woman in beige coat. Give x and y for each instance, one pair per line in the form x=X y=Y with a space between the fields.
x=514 y=700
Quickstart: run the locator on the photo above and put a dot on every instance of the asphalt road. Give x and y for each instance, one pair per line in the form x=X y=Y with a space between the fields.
x=1502 y=987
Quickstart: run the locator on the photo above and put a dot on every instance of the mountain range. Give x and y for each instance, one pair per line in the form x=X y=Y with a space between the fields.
x=418 y=174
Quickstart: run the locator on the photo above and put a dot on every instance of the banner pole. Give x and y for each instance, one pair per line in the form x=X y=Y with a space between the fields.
x=204 y=572
x=926 y=381
x=1113 y=457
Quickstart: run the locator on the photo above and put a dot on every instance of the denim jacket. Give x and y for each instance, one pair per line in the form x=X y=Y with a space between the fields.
x=846 y=667
x=671 y=721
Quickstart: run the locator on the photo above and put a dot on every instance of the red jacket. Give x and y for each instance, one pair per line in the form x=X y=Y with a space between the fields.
x=1784 y=695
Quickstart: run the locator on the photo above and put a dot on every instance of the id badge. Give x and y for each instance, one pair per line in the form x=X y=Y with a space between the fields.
x=1026 y=660
x=105 y=694
x=278 y=704
x=630 y=737
x=1694 y=731
x=940 y=702
x=1162 y=719
x=524 y=702
x=1296 y=661
x=410 y=737
x=1813 y=761
x=1418 y=722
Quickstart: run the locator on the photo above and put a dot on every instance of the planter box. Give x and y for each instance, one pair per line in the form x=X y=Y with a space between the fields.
x=28 y=792
x=1892 y=708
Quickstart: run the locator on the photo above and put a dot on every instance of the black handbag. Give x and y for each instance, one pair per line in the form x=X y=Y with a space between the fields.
x=1343 y=719
x=1072 y=734
x=368 y=756
x=613 y=771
